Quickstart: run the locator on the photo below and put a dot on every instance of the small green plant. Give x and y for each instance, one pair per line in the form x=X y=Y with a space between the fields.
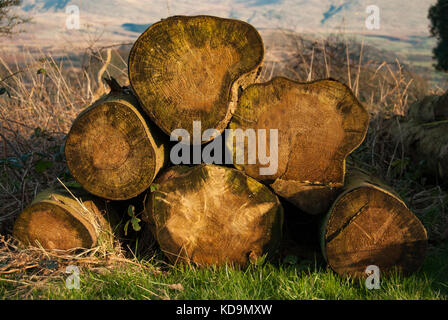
x=42 y=165
x=135 y=222
x=257 y=261
x=290 y=260
x=41 y=133
x=73 y=184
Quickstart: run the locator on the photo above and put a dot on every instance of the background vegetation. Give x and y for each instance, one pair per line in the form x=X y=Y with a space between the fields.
x=438 y=15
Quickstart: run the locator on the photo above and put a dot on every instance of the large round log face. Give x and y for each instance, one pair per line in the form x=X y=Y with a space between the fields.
x=368 y=226
x=190 y=68
x=110 y=150
x=211 y=215
x=318 y=123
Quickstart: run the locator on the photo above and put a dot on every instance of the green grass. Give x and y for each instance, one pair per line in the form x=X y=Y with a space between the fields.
x=268 y=281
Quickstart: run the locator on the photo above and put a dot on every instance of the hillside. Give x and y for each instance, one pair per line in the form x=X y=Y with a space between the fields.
x=304 y=16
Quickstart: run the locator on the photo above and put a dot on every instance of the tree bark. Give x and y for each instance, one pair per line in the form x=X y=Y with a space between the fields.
x=184 y=69
x=56 y=220
x=212 y=215
x=369 y=224
x=319 y=124
x=112 y=150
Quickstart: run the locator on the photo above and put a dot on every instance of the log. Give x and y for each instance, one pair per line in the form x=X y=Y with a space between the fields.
x=186 y=68
x=426 y=144
x=423 y=135
x=56 y=220
x=369 y=224
x=319 y=124
x=429 y=109
x=112 y=150
x=212 y=215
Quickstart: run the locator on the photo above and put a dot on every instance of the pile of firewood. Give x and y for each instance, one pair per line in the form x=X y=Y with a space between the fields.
x=196 y=77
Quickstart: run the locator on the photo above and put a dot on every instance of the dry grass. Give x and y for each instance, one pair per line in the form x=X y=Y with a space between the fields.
x=43 y=96
x=33 y=267
x=377 y=78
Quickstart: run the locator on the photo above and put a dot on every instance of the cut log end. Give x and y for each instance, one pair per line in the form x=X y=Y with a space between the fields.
x=210 y=215
x=190 y=68
x=319 y=124
x=55 y=220
x=368 y=225
x=53 y=227
x=110 y=150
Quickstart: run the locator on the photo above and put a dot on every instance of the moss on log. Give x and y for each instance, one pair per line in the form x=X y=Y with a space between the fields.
x=212 y=215
x=369 y=224
x=191 y=68
x=56 y=220
x=112 y=150
x=319 y=123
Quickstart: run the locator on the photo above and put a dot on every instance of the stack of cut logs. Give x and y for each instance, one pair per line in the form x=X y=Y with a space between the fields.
x=202 y=68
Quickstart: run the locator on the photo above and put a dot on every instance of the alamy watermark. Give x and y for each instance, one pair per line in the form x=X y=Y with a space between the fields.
x=72 y=22
x=373 y=20
x=212 y=153
x=373 y=279
x=72 y=281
